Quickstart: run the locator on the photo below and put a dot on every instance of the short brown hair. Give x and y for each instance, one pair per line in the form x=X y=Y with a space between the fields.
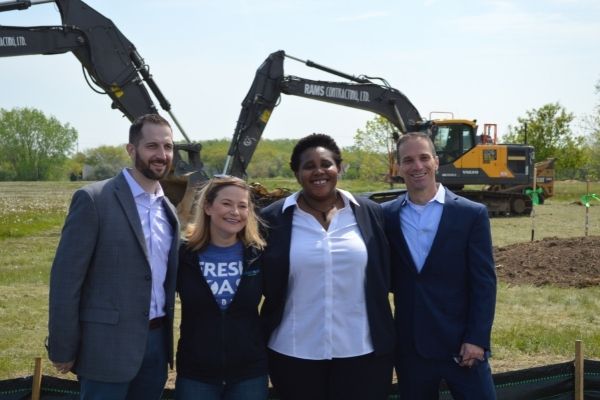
x=135 y=130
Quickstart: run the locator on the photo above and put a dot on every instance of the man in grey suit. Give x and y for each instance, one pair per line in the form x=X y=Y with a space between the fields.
x=112 y=284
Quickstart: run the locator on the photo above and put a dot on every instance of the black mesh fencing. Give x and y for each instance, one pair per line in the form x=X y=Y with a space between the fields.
x=549 y=382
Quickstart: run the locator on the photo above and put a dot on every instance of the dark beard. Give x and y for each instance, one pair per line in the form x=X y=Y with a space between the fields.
x=144 y=168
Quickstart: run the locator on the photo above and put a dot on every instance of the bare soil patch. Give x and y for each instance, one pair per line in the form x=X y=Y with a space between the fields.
x=562 y=262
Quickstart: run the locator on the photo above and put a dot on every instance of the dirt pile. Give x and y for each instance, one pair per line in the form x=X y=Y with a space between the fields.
x=571 y=262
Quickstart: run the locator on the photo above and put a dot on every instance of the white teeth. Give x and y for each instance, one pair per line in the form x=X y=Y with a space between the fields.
x=321 y=182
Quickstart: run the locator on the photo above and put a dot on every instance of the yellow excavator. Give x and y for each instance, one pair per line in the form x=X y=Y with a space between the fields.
x=501 y=168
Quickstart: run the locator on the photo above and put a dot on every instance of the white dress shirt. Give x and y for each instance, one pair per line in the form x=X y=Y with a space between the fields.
x=325 y=314
x=158 y=235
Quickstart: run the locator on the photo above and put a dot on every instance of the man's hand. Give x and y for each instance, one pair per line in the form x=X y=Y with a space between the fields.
x=470 y=355
x=63 y=368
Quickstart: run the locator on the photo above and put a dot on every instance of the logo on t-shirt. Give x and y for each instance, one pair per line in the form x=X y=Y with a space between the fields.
x=222 y=267
x=219 y=276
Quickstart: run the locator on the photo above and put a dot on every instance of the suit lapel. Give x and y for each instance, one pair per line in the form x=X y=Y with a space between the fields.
x=173 y=252
x=394 y=231
x=171 y=215
x=445 y=225
x=127 y=203
x=280 y=241
x=362 y=221
x=287 y=218
x=393 y=223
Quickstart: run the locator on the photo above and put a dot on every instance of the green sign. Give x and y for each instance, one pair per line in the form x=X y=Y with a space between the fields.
x=535 y=195
x=586 y=198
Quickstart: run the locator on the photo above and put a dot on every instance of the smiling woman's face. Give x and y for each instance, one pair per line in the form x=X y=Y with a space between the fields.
x=318 y=173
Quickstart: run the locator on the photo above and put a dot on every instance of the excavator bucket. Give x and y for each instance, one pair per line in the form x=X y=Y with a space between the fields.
x=264 y=197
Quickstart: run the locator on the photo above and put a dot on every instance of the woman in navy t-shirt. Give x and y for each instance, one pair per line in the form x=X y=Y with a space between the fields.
x=221 y=353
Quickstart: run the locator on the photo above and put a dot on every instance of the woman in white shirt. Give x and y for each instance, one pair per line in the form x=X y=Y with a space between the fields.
x=327 y=274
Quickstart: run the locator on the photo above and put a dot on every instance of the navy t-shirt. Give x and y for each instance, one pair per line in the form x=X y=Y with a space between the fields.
x=222 y=268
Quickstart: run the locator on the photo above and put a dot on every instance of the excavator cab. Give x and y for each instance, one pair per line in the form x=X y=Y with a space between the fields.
x=452 y=138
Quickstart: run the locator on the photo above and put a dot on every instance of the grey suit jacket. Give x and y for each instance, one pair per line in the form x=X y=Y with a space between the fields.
x=100 y=284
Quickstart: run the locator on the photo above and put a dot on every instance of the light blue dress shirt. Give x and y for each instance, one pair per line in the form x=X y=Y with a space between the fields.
x=419 y=224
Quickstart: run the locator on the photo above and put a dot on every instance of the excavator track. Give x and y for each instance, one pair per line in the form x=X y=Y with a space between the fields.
x=499 y=204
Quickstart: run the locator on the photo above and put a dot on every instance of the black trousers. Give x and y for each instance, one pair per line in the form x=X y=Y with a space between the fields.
x=367 y=377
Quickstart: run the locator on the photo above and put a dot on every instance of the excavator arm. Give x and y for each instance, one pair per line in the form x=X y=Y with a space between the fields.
x=270 y=82
x=109 y=59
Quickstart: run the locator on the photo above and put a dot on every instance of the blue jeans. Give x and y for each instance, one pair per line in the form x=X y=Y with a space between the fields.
x=149 y=382
x=249 y=389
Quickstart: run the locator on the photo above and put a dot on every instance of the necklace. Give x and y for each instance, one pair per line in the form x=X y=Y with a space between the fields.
x=323 y=212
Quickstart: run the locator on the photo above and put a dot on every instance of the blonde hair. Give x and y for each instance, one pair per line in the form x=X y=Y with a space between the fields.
x=197 y=232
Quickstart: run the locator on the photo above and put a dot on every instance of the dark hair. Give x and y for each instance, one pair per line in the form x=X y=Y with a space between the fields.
x=416 y=135
x=312 y=141
x=135 y=130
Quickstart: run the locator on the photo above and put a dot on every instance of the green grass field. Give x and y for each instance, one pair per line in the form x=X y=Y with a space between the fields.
x=534 y=326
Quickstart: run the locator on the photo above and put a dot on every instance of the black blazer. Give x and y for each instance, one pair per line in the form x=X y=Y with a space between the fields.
x=452 y=300
x=215 y=345
x=276 y=267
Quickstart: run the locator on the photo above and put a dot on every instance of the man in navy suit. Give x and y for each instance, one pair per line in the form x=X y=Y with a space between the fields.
x=444 y=282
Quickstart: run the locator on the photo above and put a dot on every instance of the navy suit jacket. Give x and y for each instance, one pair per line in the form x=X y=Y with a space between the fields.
x=276 y=267
x=452 y=300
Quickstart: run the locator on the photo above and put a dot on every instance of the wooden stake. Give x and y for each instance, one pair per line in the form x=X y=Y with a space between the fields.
x=533 y=205
x=532 y=223
x=37 y=379
x=587 y=220
x=579 y=370
x=587 y=209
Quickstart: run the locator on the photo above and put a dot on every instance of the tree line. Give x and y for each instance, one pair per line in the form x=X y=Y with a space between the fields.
x=34 y=146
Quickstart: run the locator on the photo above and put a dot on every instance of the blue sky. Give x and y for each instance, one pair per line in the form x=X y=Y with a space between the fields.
x=485 y=60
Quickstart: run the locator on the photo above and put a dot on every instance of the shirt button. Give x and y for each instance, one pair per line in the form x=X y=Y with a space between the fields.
x=148 y=277
x=146 y=313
